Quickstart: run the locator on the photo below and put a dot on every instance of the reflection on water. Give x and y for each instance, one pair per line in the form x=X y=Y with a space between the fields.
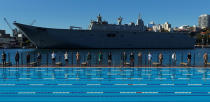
x=106 y=73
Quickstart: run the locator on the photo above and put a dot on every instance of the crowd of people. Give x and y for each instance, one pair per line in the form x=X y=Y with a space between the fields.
x=101 y=59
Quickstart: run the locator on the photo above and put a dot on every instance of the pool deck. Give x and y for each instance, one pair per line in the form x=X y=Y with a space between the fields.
x=44 y=66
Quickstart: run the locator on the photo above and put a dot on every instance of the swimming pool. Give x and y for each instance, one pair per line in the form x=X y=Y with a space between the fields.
x=104 y=84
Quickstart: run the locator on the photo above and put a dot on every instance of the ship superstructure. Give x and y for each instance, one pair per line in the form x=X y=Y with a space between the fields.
x=105 y=26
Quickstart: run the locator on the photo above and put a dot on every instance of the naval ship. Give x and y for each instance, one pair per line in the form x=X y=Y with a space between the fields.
x=101 y=34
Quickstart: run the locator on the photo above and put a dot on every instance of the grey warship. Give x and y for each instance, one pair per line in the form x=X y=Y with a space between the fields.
x=101 y=34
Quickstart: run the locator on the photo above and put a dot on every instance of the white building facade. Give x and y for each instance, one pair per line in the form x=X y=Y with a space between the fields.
x=204 y=21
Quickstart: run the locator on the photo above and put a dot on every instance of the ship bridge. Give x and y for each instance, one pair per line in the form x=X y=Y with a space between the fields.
x=105 y=26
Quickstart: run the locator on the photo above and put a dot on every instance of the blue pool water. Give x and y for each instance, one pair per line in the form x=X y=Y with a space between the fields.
x=104 y=84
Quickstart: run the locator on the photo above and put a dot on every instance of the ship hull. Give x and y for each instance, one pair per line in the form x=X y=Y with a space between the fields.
x=65 y=38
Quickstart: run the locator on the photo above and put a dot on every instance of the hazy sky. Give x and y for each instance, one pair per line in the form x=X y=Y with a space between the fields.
x=63 y=13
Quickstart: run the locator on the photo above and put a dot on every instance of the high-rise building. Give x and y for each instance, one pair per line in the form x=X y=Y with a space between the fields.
x=204 y=21
x=151 y=24
x=166 y=26
x=157 y=28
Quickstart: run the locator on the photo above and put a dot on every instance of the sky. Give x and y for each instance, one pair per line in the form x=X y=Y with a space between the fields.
x=65 y=13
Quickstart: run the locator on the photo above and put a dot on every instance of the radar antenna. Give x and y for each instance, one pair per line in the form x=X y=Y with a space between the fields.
x=120 y=20
x=34 y=21
x=139 y=16
x=99 y=18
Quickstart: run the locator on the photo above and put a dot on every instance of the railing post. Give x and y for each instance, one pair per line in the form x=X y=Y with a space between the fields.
x=182 y=57
x=34 y=57
x=145 y=60
x=169 y=59
x=47 y=58
x=9 y=58
x=72 y=58
x=21 y=54
x=194 y=59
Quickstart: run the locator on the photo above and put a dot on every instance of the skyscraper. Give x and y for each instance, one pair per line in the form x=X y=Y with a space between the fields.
x=204 y=21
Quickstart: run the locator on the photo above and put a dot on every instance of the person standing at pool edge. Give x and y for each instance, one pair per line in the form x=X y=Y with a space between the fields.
x=189 y=57
x=4 y=58
x=39 y=57
x=53 y=56
x=66 y=57
x=89 y=59
x=77 y=58
x=124 y=58
x=28 y=59
x=17 y=56
x=110 y=59
x=205 y=58
x=139 y=59
x=149 y=59
x=132 y=59
x=173 y=57
x=100 y=57
x=160 y=58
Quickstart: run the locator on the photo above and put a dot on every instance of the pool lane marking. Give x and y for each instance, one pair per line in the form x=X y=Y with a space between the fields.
x=97 y=78
x=27 y=73
x=93 y=84
x=167 y=84
x=128 y=92
x=64 y=84
x=167 y=74
x=90 y=74
x=187 y=74
x=94 y=92
x=58 y=70
x=26 y=92
x=74 y=78
x=137 y=78
x=61 y=92
x=139 y=84
x=40 y=70
x=120 y=84
x=183 y=78
x=108 y=78
x=194 y=84
x=49 y=78
x=8 y=84
x=160 y=78
x=36 y=84
x=102 y=92
x=146 y=74
x=24 y=78
x=112 y=74
x=117 y=84
x=182 y=92
x=164 y=70
x=13 y=70
x=122 y=78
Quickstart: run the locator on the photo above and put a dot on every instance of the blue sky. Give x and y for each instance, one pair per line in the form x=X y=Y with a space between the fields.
x=63 y=13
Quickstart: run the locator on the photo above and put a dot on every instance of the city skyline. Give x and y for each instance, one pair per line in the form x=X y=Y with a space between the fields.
x=62 y=14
